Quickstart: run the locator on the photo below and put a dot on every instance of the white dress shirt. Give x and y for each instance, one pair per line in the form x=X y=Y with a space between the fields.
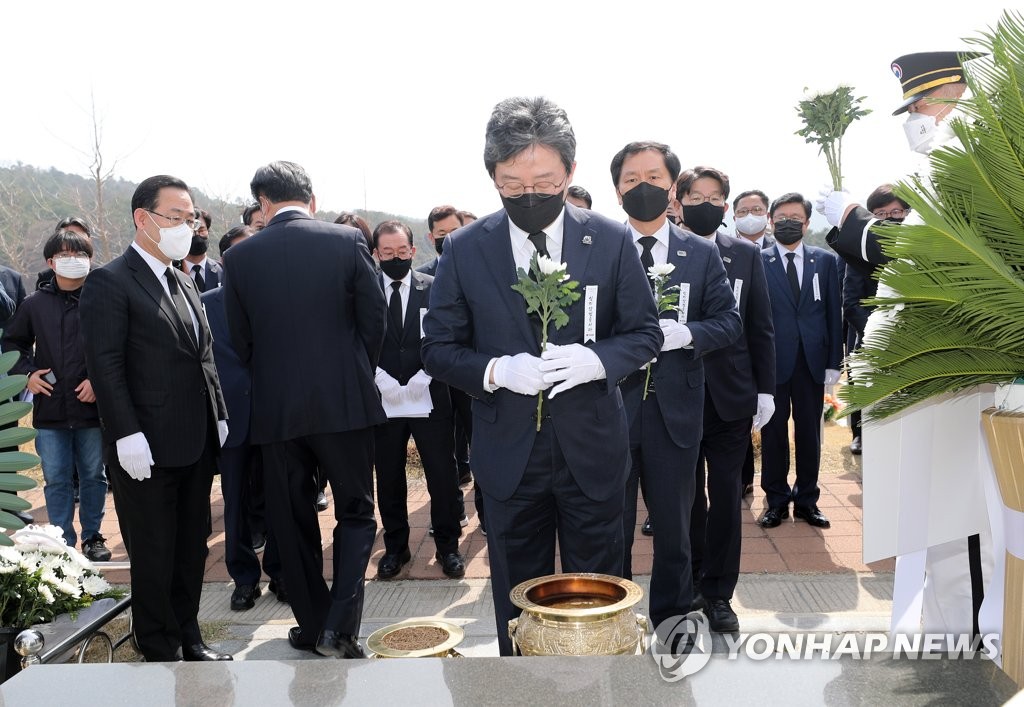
x=522 y=247
x=660 y=250
x=403 y=290
x=159 y=269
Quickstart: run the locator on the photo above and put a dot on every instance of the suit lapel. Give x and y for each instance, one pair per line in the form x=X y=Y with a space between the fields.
x=191 y=292
x=495 y=250
x=147 y=280
x=776 y=269
x=417 y=288
x=679 y=247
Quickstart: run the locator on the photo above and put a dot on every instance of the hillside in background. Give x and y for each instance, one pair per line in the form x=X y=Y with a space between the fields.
x=33 y=200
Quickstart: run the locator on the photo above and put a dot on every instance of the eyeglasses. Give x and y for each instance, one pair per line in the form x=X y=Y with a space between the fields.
x=695 y=198
x=892 y=213
x=190 y=222
x=779 y=222
x=401 y=254
x=70 y=254
x=514 y=189
x=756 y=210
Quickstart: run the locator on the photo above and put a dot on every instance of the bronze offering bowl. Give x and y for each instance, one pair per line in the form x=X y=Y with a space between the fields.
x=409 y=634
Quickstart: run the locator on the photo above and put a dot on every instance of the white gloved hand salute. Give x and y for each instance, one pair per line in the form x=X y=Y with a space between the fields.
x=831 y=377
x=222 y=431
x=520 y=374
x=418 y=384
x=389 y=388
x=765 y=410
x=569 y=366
x=676 y=335
x=833 y=204
x=134 y=456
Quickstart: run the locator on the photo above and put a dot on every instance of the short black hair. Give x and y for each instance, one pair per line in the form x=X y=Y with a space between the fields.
x=439 y=213
x=883 y=195
x=671 y=159
x=347 y=218
x=791 y=198
x=463 y=215
x=148 y=191
x=249 y=212
x=205 y=216
x=685 y=182
x=521 y=122
x=582 y=194
x=235 y=232
x=72 y=221
x=65 y=239
x=749 y=192
x=281 y=181
x=391 y=226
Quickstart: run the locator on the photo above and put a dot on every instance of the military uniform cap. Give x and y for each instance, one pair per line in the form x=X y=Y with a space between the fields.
x=920 y=73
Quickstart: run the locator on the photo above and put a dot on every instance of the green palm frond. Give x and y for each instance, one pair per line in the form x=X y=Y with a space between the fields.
x=957 y=312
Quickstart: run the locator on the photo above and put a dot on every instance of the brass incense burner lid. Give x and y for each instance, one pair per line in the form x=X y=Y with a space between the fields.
x=576 y=597
x=376 y=641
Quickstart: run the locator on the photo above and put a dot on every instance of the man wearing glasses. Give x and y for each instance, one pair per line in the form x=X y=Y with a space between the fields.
x=567 y=478
x=803 y=284
x=149 y=354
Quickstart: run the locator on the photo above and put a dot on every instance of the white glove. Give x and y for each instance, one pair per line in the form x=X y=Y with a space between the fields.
x=222 y=431
x=765 y=410
x=389 y=388
x=569 y=366
x=831 y=377
x=418 y=384
x=833 y=204
x=520 y=374
x=135 y=457
x=676 y=335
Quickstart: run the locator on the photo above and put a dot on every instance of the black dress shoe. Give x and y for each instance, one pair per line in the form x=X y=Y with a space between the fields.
x=392 y=563
x=24 y=517
x=856 y=446
x=321 y=502
x=647 y=528
x=773 y=517
x=699 y=603
x=338 y=645
x=812 y=515
x=721 y=617
x=748 y=490
x=202 y=652
x=276 y=586
x=244 y=597
x=452 y=564
x=259 y=541
x=298 y=641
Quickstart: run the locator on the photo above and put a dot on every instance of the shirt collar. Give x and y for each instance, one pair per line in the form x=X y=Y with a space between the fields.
x=782 y=250
x=553 y=230
x=661 y=234
x=201 y=264
x=405 y=280
x=158 y=267
x=300 y=209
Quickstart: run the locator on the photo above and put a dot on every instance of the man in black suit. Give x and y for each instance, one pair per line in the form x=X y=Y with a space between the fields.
x=567 y=479
x=665 y=414
x=150 y=359
x=204 y=271
x=441 y=221
x=739 y=389
x=307 y=316
x=401 y=379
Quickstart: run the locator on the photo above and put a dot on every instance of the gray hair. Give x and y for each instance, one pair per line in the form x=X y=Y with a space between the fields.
x=517 y=123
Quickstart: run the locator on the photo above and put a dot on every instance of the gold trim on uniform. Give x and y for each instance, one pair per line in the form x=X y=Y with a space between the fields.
x=933 y=84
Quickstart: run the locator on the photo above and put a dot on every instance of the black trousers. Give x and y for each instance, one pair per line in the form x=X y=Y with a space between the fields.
x=748 y=463
x=462 y=427
x=289 y=474
x=435 y=443
x=802 y=397
x=521 y=530
x=667 y=471
x=165 y=522
x=715 y=521
x=238 y=465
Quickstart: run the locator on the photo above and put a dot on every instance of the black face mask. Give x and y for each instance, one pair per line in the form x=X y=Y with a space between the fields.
x=704 y=218
x=788 y=232
x=645 y=202
x=439 y=244
x=531 y=211
x=396 y=268
x=199 y=245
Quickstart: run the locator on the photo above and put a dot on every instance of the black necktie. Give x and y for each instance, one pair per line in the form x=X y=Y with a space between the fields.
x=540 y=242
x=197 y=271
x=647 y=257
x=180 y=305
x=794 y=281
x=395 y=307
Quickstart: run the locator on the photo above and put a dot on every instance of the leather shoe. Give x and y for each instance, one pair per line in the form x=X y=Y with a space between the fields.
x=699 y=603
x=321 y=502
x=276 y=586
x=647 y=528
x=244 y=597
x=812 y=515
x=391 y=564
x=202 y=652
x=452 y=564
x=721 y=617
x=338 y=645
x=856 y=446
x=298 y=641
x=773 y=517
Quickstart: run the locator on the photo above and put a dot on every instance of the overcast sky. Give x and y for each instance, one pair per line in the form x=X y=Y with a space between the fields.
x=385 y=103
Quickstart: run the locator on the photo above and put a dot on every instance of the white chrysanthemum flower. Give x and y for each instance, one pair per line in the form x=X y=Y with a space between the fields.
x=547 y=266
x=70 y=568
x=70 y=589
x=49 y=576
x=95 y=585
x=10 y=554
x=660 y=270
x=46 y=594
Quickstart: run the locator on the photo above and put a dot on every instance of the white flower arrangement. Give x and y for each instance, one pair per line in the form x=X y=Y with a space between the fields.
x=41 y=577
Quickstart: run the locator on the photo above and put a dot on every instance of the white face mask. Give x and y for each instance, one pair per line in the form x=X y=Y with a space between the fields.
x=751 y=223
x=71 y=268
x=920 y=130
x=174 y=242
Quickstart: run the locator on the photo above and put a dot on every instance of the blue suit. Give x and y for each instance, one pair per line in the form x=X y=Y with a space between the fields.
x=572 y=473
x=808 y=340
x=665 y=429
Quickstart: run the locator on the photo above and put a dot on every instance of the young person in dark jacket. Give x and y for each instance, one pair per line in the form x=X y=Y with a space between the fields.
x=46 y=331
